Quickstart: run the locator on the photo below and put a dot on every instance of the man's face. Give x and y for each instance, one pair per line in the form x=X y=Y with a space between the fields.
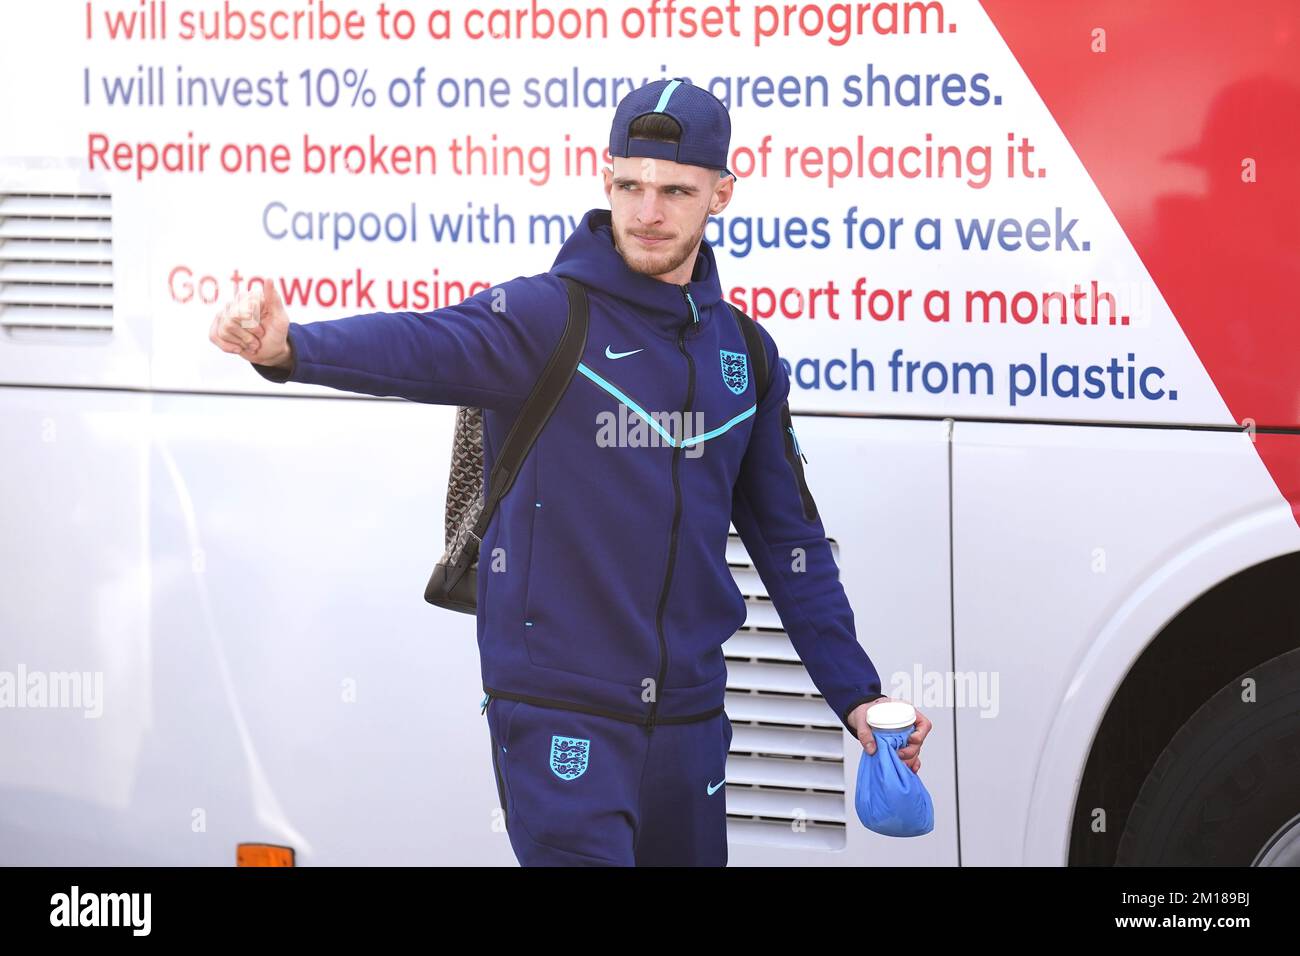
x=659 y=209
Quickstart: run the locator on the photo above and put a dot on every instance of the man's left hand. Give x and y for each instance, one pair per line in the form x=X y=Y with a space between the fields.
x=910 y=753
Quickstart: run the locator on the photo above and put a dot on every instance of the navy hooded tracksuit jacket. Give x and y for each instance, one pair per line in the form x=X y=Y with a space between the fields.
x=615 y=597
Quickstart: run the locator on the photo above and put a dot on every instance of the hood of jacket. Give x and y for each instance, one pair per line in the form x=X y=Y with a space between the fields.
x=589 y=256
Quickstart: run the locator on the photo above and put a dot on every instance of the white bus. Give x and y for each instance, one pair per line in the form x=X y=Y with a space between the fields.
x=1067 y=515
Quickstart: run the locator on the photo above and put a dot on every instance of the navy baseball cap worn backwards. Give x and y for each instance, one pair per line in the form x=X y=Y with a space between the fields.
x=705 y=123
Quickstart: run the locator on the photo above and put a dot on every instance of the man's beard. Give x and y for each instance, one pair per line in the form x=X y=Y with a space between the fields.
x=656 y=262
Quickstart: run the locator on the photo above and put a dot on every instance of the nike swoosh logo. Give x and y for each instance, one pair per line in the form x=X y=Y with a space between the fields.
x=618 y=355
x=712 y=789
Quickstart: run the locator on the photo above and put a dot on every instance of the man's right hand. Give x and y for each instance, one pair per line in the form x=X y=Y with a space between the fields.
x=255 y=326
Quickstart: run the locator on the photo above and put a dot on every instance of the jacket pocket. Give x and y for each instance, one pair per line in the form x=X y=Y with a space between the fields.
x=498 y=733
x=532 y=506
x=794 y=456
x=501 y=788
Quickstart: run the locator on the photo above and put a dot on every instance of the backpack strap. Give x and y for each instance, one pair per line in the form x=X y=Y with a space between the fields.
x=539 y=405
x=757 y=354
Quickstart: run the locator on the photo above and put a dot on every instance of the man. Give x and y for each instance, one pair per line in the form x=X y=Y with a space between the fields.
x=604 y=594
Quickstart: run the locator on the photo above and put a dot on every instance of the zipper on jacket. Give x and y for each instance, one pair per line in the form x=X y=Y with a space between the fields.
x=795 y=457
x=695 y=313
x=797 y=450
x=677 y=511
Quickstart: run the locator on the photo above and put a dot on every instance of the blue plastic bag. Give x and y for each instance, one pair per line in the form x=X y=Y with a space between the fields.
x=890 y=798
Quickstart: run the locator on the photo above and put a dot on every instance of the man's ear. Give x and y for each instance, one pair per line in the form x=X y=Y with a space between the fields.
x=722 y=194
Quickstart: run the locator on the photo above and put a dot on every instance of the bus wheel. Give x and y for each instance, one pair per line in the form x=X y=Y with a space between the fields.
x=1226 y=791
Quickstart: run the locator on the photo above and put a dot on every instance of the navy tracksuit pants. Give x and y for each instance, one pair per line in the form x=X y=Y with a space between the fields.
x=582 y=790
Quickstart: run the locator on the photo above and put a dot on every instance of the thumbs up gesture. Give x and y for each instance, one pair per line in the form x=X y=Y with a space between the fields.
x=254 y=326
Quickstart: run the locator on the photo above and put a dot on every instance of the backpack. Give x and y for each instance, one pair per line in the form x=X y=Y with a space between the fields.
x=454 y=581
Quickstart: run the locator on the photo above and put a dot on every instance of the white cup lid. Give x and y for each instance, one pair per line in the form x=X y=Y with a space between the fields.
x=891 y=715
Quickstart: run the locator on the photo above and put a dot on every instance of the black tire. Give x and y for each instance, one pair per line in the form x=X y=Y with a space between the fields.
x=1228 y=781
